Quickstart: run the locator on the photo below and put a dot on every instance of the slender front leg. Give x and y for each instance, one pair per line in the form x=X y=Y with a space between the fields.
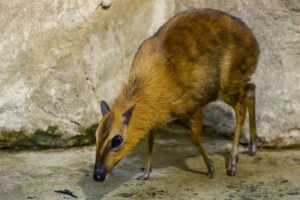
x=196 y=128
x=145 y=171
x=250 y=101
x=240 y=112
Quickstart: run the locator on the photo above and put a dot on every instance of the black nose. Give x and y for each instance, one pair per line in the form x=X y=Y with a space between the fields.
x=99 y=173
x=99 y=177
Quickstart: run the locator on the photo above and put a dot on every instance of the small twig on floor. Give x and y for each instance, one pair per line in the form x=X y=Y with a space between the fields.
x=125 y=194
x=67 y=192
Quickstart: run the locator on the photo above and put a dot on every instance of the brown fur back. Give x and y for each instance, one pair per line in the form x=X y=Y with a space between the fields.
x=197 y=57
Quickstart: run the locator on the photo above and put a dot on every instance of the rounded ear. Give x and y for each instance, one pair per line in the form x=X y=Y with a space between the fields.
x=104 y=107
x=127 y=115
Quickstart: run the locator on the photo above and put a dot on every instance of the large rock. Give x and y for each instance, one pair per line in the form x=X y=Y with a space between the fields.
x=60 y=58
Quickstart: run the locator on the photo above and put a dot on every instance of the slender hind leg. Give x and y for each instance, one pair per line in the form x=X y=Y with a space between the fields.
x=250 y=102
x=196 y=129
x=145 y=171
x=240 y=112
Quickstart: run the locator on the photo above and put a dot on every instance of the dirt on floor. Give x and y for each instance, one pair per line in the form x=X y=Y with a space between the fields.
x=178 y=173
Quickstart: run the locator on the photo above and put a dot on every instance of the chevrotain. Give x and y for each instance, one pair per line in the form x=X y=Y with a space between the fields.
x=197 y=57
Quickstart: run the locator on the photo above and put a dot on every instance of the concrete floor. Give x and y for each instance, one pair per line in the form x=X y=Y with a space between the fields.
x=178 y=173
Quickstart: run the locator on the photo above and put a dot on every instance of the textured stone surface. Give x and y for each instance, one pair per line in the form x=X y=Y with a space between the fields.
x=58 y=59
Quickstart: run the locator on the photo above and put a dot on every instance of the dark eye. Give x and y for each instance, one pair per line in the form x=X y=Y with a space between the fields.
x=116 y=141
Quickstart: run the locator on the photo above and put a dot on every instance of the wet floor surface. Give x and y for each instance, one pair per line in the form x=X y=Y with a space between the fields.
x=178 y=173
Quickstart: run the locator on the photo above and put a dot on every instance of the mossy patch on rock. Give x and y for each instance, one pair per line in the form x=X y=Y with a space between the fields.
x=46 y=139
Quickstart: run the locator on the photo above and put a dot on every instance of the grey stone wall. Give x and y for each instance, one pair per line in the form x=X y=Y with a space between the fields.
x=58 y=59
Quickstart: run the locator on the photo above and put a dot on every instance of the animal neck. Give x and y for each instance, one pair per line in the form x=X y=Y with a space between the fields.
x=151 y=108
x=144 y=118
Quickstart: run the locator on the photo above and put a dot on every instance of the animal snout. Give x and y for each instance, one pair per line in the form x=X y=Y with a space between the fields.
x=99 y=173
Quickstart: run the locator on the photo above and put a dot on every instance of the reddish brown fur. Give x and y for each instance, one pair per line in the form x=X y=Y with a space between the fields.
x=197 y=57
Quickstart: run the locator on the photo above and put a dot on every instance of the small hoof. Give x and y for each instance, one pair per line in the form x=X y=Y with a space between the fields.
x=252 y=149
x=211 y=169
x=144 y=173
x=231 y=170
